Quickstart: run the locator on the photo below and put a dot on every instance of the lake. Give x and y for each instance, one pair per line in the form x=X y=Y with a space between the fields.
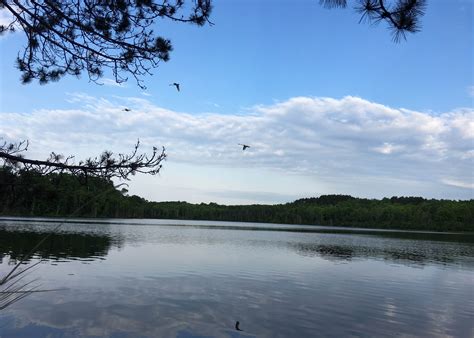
x=168 y=278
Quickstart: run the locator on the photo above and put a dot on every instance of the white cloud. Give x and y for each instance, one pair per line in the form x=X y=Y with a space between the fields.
x=387 y=148
x=468 y=155
x=213 y=104
x=6 y=18
x=470 y=91
x=338 y=141
x=112 y=83
x=464 y=122
x=457 y=183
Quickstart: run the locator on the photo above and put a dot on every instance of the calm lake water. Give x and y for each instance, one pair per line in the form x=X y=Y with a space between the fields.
x=160 y=278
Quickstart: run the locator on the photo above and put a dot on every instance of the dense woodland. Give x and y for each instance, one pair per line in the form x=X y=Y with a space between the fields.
x=57 y=195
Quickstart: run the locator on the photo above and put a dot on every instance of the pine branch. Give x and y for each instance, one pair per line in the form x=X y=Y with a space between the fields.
x=105 y=166
x=76 y=36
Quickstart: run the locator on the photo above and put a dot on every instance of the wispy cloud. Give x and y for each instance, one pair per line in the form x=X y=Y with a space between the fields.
x=213 y=104
x=388 y=148
x=335 y=140
x=470 y=91
x=6 y=18
x=112 y=83
x=460 y=184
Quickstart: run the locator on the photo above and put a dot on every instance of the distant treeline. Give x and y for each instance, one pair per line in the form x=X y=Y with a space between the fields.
x=55 y=195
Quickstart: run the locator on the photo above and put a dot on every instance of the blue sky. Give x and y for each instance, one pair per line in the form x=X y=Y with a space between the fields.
x=328 y=105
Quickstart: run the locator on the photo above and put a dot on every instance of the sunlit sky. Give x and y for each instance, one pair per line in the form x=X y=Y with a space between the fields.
x=328 y=106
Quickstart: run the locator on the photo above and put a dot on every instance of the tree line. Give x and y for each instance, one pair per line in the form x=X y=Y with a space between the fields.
x=28 y=193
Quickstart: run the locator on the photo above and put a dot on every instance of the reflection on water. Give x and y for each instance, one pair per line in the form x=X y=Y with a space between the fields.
x=409 y=252
x=144 y=280
x=61 y=245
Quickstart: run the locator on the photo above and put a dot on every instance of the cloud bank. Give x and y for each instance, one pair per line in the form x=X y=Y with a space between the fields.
x=332 y=139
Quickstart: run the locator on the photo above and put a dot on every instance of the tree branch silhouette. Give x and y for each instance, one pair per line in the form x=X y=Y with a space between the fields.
x=402 y=16
x=105 y=166
x=76 y=36
x=89 y=36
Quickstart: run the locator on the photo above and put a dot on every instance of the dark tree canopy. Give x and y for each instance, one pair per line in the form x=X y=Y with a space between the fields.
x=76 y=36
x=33 y=194
x=104 y=166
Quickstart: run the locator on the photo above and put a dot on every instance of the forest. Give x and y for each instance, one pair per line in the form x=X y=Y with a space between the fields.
x=27 y=193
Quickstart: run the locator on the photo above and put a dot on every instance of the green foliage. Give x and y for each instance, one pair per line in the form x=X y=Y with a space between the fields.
x=27 y=193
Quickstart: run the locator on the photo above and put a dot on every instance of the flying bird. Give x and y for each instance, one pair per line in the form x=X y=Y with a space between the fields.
x=244 y=146
x=176 y=85
x=237 y=323
x=127 y=109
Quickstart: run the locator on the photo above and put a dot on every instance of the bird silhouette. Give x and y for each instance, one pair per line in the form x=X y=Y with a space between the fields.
x=127 y=109
x=176 y=85
x=244 y=146
x=237 y=323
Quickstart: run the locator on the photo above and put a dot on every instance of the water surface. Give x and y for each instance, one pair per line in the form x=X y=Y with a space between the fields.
x=150 y=278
